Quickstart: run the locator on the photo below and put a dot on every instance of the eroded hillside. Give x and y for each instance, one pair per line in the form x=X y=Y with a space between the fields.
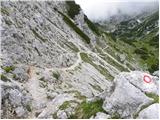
x=57 y=64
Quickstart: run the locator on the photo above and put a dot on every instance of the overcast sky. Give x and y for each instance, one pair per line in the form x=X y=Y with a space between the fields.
x=103 y=9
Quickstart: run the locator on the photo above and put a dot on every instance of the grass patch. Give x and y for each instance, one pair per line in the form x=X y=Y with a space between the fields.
x=115 y=116
x=75 y=28
x=101 y=69
x=42 y=79
x=5 y=11
x=97 y=87
x=28 y=107
x=8 y=22
x=54 y=116
x=71 y=46
x=65 y=105
x=4 y=78
x=85 y=110
x=114 y=63
x=109 y=60
x=72 y=8
x=130 y=66
x=8 y=68
x=155 y=100
x=77 y=95
x=14 y=76
x=56 y=75
x=153 y=96
x=91 y=25
x=39 y=36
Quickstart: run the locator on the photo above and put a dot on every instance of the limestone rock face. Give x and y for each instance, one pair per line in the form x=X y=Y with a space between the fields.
x=129 y=94
x=151 y=112
x=18 y=100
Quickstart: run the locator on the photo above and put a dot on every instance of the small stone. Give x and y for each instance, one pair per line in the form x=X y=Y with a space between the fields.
x=101 y=115
x=20 y=111
x=15 y=97
x=61 y=114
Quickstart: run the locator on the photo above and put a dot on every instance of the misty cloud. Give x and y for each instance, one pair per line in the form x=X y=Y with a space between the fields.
x=103 y=9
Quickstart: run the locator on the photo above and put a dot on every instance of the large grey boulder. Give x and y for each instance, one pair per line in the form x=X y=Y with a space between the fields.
x=129 y=94
x=151 y=112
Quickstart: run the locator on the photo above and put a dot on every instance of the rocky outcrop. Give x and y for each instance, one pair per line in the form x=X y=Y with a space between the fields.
x=16 y=101
x=129 y=94
x=150 y=112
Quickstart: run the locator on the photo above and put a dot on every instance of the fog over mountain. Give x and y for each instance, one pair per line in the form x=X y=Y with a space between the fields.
x=103 y=9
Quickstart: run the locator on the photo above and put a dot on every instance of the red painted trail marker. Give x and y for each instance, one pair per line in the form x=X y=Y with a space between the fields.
x=147 y=79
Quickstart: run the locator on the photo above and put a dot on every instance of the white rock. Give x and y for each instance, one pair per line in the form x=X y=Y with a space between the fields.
x=20 y=111
x=15 y=97
x=122 y=57
x=128 y=94
x=101 y=115
x=61 y=114
x=151 y=112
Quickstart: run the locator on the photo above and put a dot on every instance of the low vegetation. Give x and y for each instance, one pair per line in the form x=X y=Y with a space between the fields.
x=115 y=116
x=4 y=78
x=87 y=109
x=38 y=35
x=72 y=8
x=100 y=68
x=71 y=46
x=4 y=11
x=153 y=96
x=75 y=28
x=56 y=75
x=91 y=26
x=65 y=105
x=155 y=100
x=8 y=68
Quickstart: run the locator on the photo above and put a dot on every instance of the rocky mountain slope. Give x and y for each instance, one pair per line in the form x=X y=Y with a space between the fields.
x=141 y=32
x=57 y=64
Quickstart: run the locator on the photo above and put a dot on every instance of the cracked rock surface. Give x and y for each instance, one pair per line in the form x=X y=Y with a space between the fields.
x=129 y=94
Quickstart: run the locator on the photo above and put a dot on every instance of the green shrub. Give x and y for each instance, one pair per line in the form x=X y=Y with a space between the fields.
x=4 y=78
x=86 y=109
x=153 y=96
x=39 y=36
x=5 y=11
x=100 y=68
x=28 y=107
x=72 y=8
x=115 y=116
x=65 y=105
x=9 y=68
x=56 y=75
x=91 y=25
x=75 y=28
x=72 y=46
